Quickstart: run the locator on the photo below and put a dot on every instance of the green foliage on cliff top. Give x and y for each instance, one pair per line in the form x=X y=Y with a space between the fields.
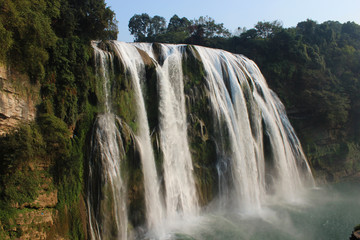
x=179 y=30
x=29 y=29
x=26 y=33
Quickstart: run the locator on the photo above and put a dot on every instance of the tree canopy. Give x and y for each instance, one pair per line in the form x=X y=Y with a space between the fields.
x=179 y=30
x=29 y=29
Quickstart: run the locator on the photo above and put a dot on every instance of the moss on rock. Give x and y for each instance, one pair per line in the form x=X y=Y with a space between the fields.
x=200 y=127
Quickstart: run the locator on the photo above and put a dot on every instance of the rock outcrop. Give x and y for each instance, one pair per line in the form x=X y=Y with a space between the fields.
x=36 y=219
x=33 y=223
x=18 y=99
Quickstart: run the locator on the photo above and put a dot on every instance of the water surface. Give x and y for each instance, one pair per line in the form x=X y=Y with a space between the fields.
x=325 y=213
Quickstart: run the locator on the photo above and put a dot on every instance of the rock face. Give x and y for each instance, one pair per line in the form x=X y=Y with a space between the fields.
x=37 y=219
x=18 y=98
x=33 y=224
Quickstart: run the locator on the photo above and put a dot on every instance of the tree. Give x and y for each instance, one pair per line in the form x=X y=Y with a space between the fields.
x=204 y=31
x=177 y=24
x=139 y=26
x=238 y=31
x=89 y=19
x=268 y=29
x=97 y=21
x=306 y=30
x=207 y=27
x=179 y=30
x=26 y=33
x=145 y=28
x=157 y=26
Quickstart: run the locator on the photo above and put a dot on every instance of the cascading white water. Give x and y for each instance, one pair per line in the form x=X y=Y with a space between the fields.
x=107 y=215
x=244 y=108
x=181 y=198
x=109 y=218
x=134 y=65
x=230 y=106
x=286 y=148
x=104 y=64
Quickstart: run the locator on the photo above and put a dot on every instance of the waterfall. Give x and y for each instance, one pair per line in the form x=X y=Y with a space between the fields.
x=258 y=153
x=229 y=79
x=106 y=190
x=286 y=147
x=178 y=170
x=230 y=106
x=134 y=65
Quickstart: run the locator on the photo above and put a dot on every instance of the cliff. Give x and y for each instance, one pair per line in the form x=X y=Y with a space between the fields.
x=32 y=217
x=333 y=152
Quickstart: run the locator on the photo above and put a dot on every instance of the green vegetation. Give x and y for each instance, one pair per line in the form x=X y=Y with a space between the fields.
x=19 y=181
x=26 y=34
x=124 y=99
x=179 y=30
x=50 y=42
x=17 y=185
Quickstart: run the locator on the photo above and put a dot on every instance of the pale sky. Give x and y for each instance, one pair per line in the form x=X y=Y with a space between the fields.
x=237 y=13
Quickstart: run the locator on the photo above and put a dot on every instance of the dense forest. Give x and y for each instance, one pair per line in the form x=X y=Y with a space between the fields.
x=314 y=68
